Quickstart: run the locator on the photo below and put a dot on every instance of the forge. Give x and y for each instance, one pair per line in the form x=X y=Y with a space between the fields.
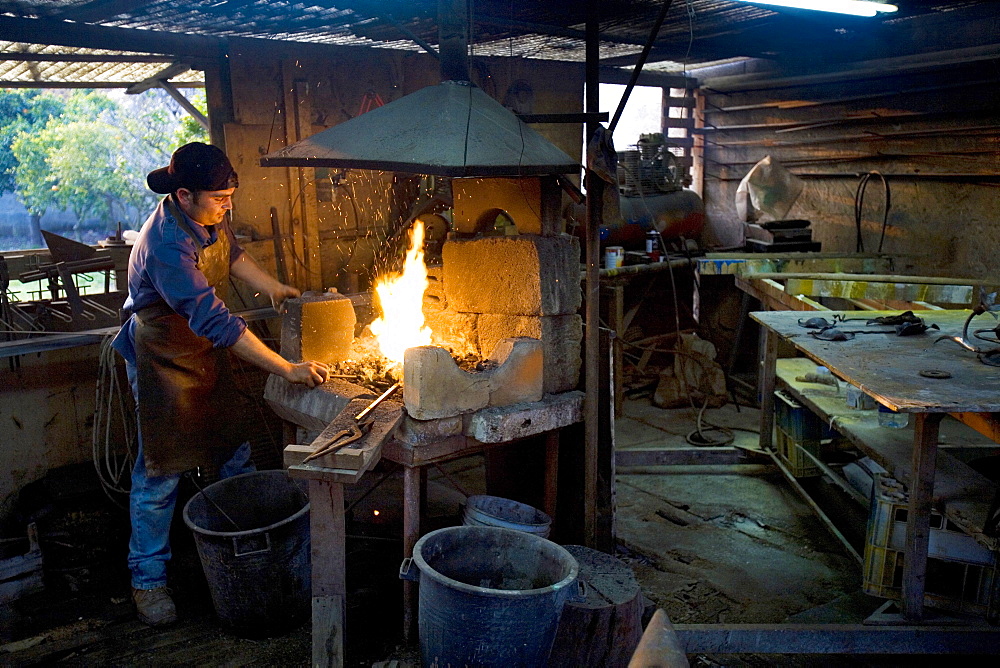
x=507 y=301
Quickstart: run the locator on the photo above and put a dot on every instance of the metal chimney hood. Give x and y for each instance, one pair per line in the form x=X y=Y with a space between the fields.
x=451 y=129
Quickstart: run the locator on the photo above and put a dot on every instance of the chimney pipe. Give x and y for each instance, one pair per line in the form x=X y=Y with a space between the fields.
x=453 y=39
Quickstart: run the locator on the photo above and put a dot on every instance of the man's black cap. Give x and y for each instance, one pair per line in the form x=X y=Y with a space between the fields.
x=194 y=166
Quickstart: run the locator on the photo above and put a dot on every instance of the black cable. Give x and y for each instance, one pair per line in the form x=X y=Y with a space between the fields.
x=859 y=200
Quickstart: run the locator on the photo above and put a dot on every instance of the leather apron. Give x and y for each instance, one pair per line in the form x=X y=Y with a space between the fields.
x=186 y=388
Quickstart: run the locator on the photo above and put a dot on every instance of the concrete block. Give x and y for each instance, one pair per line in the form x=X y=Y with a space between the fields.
x=508 y=423
x=317 y=327
x=561 y=338
x=518 y=376
x=520 y=275
x=311 y=409
x=434 y=386
x=422 y=432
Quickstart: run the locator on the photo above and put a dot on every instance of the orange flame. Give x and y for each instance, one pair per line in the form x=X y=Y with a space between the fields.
x=400 y=300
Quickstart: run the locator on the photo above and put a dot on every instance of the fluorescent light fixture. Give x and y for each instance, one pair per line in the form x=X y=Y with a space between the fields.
x=855 y=7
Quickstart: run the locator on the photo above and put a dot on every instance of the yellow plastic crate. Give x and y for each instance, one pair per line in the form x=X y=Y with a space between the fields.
x=799 y=465
x=960 y=572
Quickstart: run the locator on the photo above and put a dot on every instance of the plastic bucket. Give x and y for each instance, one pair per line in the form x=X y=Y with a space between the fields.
x=494 y=511
x=489 y=596
x=259 y=574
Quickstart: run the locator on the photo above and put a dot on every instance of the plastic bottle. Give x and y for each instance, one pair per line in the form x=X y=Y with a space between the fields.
x=890 y=418
x=652 y=242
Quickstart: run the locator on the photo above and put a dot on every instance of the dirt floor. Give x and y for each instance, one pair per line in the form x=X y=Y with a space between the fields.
x=708 y=544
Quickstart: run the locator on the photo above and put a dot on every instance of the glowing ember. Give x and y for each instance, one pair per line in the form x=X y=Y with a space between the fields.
x=400 y=300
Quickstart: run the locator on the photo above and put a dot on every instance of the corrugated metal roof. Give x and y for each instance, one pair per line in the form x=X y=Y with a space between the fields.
x=696 y=31
x=91 y=67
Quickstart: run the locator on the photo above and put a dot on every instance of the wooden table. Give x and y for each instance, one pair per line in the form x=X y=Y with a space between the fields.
x=888 y=367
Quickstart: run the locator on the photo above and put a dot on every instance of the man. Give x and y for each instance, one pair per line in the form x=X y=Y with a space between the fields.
x=174 y=347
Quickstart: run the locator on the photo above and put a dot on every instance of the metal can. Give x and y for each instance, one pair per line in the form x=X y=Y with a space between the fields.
x=613 y=257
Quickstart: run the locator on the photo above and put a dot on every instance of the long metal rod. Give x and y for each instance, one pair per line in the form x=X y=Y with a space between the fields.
x=638 y=66
x=833 y=477
x=836 y=639
x=816 y=509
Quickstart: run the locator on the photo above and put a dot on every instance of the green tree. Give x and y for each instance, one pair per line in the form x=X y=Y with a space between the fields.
x=90 y=153
x=21 y=111
x=35 y=185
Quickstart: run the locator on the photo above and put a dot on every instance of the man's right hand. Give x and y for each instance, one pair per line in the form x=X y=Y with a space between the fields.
x=308 y=373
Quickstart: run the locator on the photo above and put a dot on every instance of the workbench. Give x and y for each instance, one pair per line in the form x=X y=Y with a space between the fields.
x=887 y=367
x=414 y=447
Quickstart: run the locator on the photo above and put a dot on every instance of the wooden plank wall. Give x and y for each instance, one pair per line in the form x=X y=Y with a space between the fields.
x=906 y=119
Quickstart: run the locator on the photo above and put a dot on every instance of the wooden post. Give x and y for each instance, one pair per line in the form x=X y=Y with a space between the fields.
x=698 y=147
x=412 y=502
x=925 y=441
x=604 y=493
x=329 y=586
x=595 y=199
x=551 y=493
x=765 y=383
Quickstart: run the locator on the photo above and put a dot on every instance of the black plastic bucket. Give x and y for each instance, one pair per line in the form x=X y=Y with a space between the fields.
x=489 y=596
x=258 y=574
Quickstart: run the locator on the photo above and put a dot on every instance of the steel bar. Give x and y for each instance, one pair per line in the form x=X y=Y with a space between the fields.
x=638 y=65
x=836 y=639
x=695 y=456
x=833 y=477
x=816 y=509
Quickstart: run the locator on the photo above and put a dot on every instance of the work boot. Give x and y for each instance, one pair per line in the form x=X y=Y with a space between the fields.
x=154 y=606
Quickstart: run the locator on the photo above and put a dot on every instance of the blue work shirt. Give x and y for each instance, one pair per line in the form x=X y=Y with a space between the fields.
x=162 y=266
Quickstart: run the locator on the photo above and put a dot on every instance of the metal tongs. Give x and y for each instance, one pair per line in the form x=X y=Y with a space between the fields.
x=988 y=356
x=362 y=423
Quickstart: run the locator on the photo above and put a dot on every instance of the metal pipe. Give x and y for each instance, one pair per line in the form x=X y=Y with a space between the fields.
x=815 y=508
x=453 y=39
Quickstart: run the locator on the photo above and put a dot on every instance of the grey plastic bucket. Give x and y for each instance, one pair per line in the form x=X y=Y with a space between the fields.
x=494 y=511
x=489 y=596
x=259 y=575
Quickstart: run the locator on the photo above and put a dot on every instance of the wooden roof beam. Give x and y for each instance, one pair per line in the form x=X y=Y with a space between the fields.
x=82 y=58
x=65 y=33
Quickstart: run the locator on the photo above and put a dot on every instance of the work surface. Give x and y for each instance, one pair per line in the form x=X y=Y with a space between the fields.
x=888 y=366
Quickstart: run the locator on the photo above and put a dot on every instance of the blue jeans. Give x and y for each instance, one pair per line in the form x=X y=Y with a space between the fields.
x=151 y=507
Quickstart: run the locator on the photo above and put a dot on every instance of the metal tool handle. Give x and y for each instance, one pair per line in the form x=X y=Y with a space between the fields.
x=370 y=407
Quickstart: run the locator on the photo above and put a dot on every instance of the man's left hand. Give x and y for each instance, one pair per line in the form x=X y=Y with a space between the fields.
x=281 y=293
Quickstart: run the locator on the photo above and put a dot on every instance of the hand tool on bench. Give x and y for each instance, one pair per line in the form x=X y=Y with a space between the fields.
x=362 y=423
